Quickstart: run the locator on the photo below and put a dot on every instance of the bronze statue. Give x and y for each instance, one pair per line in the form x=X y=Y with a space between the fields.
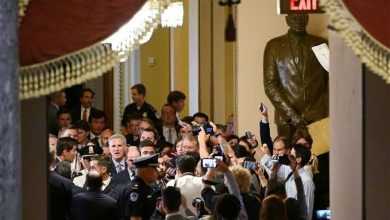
x=294 y=80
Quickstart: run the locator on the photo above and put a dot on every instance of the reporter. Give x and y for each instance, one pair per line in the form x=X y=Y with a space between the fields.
x=211 y=198
x=302 y=155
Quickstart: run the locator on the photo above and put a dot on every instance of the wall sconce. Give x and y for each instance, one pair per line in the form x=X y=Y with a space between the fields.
x=230 y=30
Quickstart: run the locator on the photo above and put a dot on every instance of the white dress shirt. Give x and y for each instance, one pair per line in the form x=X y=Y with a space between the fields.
x=291 y=189
x=82 y=112
x=106 y=182
x=190 y=186
x=173 y=134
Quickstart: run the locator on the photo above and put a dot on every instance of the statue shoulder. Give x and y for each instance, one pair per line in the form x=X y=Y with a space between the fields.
x=317 y=40
x=277 y=40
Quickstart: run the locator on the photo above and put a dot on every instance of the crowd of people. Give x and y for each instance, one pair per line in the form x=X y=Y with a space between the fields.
x=163 y=166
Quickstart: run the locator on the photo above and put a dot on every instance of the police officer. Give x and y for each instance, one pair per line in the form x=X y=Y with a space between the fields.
x=139 y=107
x=136 y=200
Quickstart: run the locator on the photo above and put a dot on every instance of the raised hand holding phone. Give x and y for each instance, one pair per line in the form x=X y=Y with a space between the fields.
x=264 y=112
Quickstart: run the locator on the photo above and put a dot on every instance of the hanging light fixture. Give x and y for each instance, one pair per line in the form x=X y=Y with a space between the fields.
x=230 y=30
x=172 y=15
x=137 y=31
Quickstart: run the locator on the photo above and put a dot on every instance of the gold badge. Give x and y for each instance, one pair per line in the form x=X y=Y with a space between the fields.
x=90 y=150
x=145 y=115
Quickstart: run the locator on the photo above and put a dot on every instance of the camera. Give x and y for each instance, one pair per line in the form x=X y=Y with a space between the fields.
x=284 y=160
x=206 y=126
x=198 y=203
x=209 y=162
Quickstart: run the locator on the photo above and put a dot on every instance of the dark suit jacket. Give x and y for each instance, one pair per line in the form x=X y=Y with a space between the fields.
x=53 y=126
x=265 y=135
x=296 y=85
x=60 y=191
x=131 y=141
x=76 y=113
x=93 y=205
x=122 y=177
x=113 y=189
x=163 y=141
x=113 y=168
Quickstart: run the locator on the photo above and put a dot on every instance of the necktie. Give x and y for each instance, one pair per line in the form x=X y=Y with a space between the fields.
x=85 y=115
x=170 y=135
x=118 y=168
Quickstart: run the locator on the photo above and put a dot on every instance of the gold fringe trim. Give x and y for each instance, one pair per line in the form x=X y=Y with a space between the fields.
x=370 y=51
x=83 y=65
x=22 y=9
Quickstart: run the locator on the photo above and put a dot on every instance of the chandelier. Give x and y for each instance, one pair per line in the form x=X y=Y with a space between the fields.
x=172 y=16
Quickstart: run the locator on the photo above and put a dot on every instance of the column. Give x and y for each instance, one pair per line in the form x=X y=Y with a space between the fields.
x=10 y=181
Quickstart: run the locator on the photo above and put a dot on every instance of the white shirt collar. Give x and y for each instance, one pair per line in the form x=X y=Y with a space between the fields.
x=122 y=162
x=106 y=182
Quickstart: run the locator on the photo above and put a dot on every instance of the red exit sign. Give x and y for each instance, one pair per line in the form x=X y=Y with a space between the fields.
x=298 y=6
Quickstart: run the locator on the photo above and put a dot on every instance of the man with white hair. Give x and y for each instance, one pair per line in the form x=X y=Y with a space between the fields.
x=117 y=146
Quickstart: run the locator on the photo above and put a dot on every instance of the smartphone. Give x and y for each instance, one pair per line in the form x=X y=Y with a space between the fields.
x=248 y=135
x=261 y=107
x=219 y=158
x=323 y=214
x=250 y=165
x=209 y=162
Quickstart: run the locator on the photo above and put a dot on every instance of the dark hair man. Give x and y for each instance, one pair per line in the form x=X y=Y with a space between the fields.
x=177 y=99
x=147 y=147
x=132 y=128
x=97 y=121
x=169 y=123
x=66 y=149
x=57 y=100
x=64 y=120
x=200 y=117
x=101 y=164
x=171 y=201
x=190 y=185
x=149 y=134
x=84 y=110
x=139 y=107
x=301 y=155
x=83 y=131
x=93 y=204
x=60 y=191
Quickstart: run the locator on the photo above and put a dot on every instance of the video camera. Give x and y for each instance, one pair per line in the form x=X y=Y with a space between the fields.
x=198 y=203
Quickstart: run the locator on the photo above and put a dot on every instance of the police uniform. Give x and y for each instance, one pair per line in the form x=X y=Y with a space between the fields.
x=88 y=151
x=146 y=111
x=136 y=199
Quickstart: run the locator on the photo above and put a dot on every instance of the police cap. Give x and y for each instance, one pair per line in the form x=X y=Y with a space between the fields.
x=146 y=161
x=90 y=150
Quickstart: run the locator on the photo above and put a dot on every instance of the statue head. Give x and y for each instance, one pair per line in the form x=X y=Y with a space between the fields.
x=297 y=22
